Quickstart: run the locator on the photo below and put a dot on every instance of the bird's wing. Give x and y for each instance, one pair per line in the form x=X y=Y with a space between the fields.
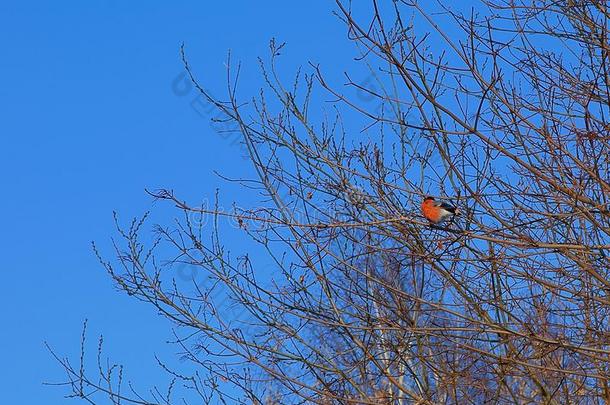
x=445 y=206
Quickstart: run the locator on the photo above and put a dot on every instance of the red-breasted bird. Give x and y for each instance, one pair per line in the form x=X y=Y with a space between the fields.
x=436 y=211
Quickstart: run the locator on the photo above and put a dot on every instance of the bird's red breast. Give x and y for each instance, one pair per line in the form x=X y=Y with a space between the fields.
x=430 y=210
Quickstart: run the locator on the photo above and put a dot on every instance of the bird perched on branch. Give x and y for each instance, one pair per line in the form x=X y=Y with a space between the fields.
x=436 y=211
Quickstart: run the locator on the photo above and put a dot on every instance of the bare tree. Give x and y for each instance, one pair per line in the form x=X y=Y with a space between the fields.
x=504 y=110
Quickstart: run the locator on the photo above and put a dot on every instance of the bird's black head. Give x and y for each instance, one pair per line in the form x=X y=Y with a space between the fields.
x=428 y=198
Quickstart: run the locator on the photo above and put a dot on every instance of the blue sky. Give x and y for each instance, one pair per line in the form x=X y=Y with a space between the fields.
x=89 y=120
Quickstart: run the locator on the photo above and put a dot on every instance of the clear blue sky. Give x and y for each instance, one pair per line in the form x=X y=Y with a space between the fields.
x=88 y=120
